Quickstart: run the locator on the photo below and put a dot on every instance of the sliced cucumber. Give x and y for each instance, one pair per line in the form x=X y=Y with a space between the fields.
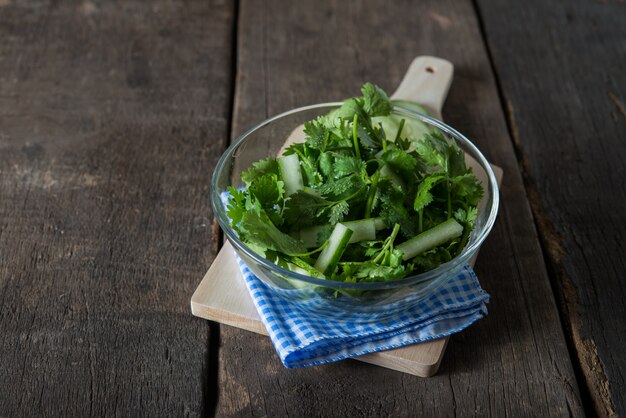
x=362 y=230
x=311 y=236
x=379 y=224
x=413 y=128
x=300 y=266
x=407 y=104
x=438 y=235
x=289 y=167
x=330 y=255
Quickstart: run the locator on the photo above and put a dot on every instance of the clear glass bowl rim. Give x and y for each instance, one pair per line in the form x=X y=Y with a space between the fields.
x=452 y=265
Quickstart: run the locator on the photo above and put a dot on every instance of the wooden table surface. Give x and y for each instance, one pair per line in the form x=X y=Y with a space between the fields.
x=112 y=118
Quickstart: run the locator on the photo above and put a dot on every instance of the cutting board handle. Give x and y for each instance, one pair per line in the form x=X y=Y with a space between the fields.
x=426 y=82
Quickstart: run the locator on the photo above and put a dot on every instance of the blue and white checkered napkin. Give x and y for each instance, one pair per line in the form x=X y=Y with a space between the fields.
x=302 y=339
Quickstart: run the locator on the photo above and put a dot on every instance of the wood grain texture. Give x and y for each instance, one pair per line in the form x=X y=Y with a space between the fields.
x=110 y=114
x=565 y=88
x=515 y=362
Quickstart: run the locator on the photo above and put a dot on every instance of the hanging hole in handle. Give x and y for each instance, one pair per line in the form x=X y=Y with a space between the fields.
x=431 y=69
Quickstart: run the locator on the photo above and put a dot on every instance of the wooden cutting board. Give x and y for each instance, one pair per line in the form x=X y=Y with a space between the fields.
x=223 y=297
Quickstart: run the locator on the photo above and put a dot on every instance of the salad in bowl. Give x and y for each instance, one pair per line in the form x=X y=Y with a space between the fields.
x=360 y=205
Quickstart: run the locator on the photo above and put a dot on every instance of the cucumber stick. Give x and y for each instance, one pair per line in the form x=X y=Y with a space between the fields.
x=438 y=235
x=379 y=223
x=311 y=236
x=289 y=167
x=413 y=128
x=363 y=230
x=330 y=255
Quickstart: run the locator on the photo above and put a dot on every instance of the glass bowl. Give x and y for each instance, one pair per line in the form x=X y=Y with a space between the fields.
x=326 y=297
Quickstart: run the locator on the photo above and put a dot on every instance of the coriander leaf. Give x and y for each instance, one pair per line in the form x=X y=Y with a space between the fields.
x=267 y=189
x=378 y=273
x=316 y=133
x=431 y=148
x=373 y=248
x=348 y=109
x=338 y=211
x=266 y=166
x=466 y=217
x=369 y=271
x=401 y=161
x=403 y=144
x=236 y=206
x=296 y=148
x=424 y=196
x=343 y=188
x=395 y=258
x=304 y=209
x=368 y=137
x=431 y=259
x=441 y=154
x=456 y=161
x=467 y=187
x=311 y=176
x=258 y=230
x=345 y=166
x=394 y=212
x=326 y=164
x=345 y=272
x=341 y=132
x=375 y=100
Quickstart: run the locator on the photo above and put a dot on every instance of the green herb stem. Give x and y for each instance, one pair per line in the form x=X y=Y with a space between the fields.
x=449 y=201
x=388 y=244
x=371 y=194
x=399 y=130
x=317 y=250
x=303 y=159
x=355 y=138
x=420 y=219
x=394 y=234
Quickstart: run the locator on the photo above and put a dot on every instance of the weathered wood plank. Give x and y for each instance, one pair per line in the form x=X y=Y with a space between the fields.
x=562 y=67
x=513 y=363
x=110 y=115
